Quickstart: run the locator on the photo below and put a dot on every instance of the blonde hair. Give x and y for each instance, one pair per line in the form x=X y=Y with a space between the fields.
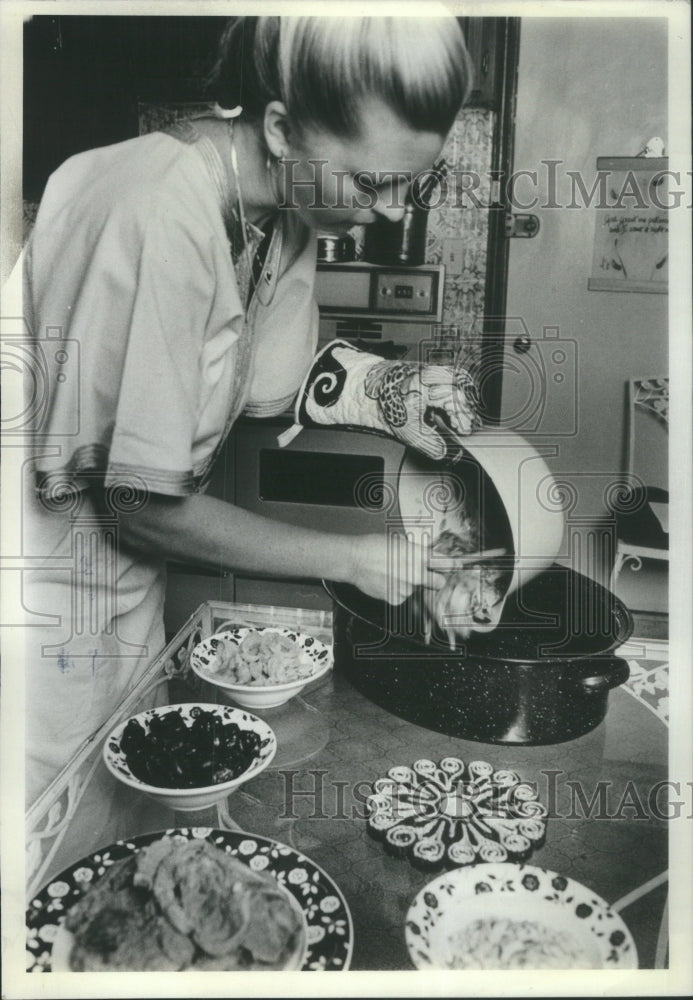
x=322 y=68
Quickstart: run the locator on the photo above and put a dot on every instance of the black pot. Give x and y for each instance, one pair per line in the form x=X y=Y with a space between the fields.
x=542 y=676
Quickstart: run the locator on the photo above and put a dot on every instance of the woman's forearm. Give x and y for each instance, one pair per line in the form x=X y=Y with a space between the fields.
x=207 y=530
x=203 y=529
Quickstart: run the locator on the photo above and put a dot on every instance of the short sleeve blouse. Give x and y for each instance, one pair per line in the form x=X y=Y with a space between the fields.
x=146 y=349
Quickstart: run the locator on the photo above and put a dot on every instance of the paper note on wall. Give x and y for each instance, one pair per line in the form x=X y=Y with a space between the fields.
x=631 y=242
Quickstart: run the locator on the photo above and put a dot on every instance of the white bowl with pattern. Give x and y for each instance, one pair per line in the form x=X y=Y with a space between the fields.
x=315 y=656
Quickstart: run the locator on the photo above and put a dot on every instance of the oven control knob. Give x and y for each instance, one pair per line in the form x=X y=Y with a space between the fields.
x=522 y=344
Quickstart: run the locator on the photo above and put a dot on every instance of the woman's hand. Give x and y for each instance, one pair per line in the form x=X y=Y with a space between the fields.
x=389 y=568
x=449 y=607
x=431 y=408
x=203 y=529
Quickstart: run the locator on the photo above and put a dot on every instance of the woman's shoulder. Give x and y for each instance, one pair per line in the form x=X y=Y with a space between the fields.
x=139 y=180
x=146 y=153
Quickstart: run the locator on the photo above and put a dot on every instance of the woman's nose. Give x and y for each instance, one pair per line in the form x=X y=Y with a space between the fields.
x=389 y=209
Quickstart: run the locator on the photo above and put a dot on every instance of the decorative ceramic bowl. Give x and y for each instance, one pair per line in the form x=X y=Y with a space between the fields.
x=514 y=916
x=516 y=492
x=315 y=657
x=190 y=799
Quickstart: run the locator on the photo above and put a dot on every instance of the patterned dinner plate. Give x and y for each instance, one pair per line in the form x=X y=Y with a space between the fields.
x=329 y=925
x=514 y=916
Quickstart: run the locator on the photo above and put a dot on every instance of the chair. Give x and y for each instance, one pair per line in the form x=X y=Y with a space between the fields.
x=642 y=515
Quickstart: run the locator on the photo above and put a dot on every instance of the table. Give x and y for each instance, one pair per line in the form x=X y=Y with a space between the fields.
x=607 y=824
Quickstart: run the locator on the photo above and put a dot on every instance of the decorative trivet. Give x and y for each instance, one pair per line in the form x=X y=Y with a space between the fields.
x=449 y=813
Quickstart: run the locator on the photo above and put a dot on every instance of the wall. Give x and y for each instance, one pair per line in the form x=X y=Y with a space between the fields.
x=588 y=88
x=467 y=149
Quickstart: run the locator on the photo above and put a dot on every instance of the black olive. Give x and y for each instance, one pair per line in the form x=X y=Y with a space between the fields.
x=175 y=755
x=203 y=769
x=230 y=760
x=201 y=729
x=139 y=766
x=168 y=727
x=224 y=774
x=250 y=741
x=133 y=737
x=180 y=771
x=134 y=730
x=231 y=741
x=155 y=767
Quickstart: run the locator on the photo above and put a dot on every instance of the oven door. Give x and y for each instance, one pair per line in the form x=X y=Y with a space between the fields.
x=331 y=480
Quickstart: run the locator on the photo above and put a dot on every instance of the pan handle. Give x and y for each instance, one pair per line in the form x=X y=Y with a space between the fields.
x=623 y=621
x=618 y=672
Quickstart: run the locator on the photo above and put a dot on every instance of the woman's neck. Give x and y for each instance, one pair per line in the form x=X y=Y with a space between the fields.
x=256 y=189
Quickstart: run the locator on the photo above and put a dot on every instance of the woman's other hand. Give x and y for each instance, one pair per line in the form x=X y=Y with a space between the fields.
x=390 y=567
x=450 y=608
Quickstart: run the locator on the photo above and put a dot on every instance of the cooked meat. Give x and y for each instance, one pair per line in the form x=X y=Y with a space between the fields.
x=184 y=904
x=204 y=893
x=470 y=590
x=269 y=927
x=118 y=926
x=464 y=539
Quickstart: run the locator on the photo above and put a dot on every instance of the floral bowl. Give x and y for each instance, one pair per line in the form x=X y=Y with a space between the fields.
x=505 y=916
x=258 y=745
x=314 y=659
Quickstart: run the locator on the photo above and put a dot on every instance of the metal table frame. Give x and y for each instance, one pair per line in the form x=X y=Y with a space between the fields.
x=50 y=816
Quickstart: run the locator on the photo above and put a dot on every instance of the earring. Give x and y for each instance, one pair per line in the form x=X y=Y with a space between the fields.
x=273 y=179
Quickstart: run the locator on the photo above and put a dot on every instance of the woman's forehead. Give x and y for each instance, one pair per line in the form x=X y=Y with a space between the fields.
x=385 y=142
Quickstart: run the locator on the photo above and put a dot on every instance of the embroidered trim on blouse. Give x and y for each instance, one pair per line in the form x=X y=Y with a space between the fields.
x=89 y=465
x=186 y=132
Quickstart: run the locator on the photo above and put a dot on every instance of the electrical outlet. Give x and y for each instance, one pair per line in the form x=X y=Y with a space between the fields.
x=453 y=255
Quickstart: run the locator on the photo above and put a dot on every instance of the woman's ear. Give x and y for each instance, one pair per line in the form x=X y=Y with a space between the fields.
x=276 y=129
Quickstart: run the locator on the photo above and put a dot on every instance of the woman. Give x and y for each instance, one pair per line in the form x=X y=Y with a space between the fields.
x=156 y=337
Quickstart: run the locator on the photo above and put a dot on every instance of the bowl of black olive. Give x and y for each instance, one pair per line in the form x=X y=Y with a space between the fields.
x=189 y=756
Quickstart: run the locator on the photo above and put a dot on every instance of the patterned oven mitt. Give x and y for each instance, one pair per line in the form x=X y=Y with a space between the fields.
x=427 y=407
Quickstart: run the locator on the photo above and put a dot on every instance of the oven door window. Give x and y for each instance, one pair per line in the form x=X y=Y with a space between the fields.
x=321 y=478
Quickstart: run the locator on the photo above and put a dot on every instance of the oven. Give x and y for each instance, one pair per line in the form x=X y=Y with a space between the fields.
x=393 y=311
x=328 y=479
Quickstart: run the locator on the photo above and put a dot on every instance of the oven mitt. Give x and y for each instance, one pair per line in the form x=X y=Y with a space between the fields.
x=427 y=407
